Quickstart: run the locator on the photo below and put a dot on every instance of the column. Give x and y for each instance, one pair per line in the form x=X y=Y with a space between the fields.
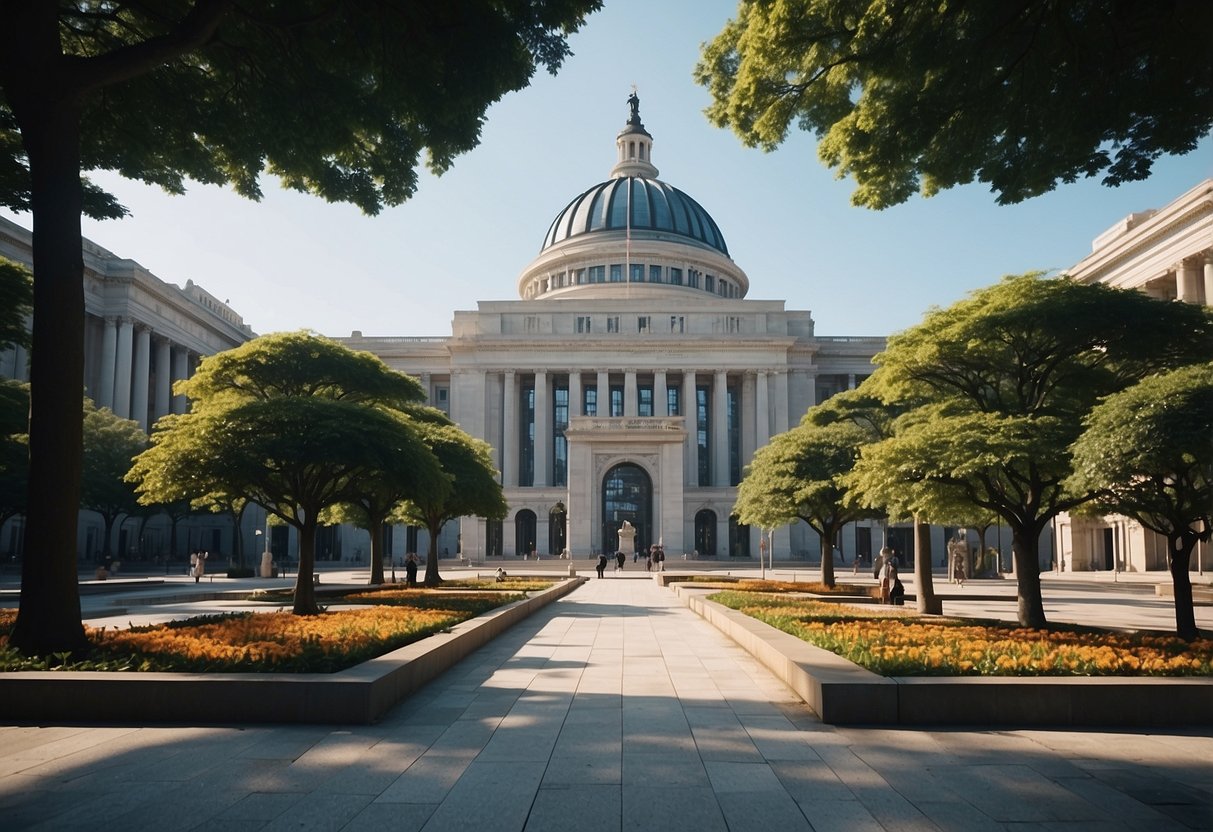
x=424 y=378
x=543 y=431
x=850 y=381
x=1208 y=278
x=509 y=430
x=142 y=375
x=575 y=397
x=181 y=365
x=109 y=354
x=661 y=397
x=604 y=393
x=164 y=377
x=1187 y=282
x=762 y=410
x=720 y=430
x=781 y=401
x=689 y=412
x=629 y=394
x=122 y=369
x=747 y=416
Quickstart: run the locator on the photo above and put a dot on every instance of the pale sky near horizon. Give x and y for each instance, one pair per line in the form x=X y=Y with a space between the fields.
x=293 y=261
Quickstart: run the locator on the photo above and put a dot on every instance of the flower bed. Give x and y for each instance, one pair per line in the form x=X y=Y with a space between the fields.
x=754 y=585
x=266 y=642
x=898 y=643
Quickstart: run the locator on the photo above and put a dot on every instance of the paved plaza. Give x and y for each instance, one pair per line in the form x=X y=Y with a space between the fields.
x=614 y=708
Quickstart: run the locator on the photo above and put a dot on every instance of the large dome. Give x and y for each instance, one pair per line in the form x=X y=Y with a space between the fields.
x=632 y=233
x=637 y=204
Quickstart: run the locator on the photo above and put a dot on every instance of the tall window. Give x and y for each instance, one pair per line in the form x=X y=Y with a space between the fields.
x=616 y=272
x=616 y=401
x=583 y=323
x=590 y=398
x=709 y=283
x=644 y=323
x=560 y=444
x=613 y=323
x=644 y=402
x=654 y=274
x=675 y=276
x=526 y=444
x=677 y=323
x=734 y=432
x=598 y=274
x=636 y=273
x=703 y=399
x=673 y=401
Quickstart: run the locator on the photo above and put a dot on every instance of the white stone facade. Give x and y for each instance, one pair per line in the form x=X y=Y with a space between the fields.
x=1168 y=254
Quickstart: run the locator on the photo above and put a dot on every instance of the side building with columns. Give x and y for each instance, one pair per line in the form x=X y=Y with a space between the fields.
x=633 y=379
x=1168 y=254
x=141 y=334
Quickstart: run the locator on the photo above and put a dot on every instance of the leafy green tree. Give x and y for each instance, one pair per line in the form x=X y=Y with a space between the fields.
x=468 y=462
x=800 y=475
x=292 y=422
x=920 y=96
x=110 y=445
x=334 y=97
x=1147 y=453
x=379 y=497
x=16 y=304
x=1002 y=382
x=14 y=447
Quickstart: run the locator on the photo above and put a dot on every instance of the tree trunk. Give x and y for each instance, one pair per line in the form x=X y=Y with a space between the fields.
x=827 y=556
x=1027 y=570
x=305 y=585
x=1180 y=548
x=432 y=578
x=107 y=544
x=376 y=530
x=928 y=602
x=49 y=119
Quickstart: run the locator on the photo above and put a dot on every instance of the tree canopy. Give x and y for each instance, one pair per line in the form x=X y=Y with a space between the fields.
x=296 y=449
x=338 y=98
x=918 y=96
x=800 y=475
x=468 y=462
x=110 y=445
x=999 y=384
x=1147 y=454
x=16 y=303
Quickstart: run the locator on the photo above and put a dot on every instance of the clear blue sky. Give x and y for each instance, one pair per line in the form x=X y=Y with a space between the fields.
x=293 y=261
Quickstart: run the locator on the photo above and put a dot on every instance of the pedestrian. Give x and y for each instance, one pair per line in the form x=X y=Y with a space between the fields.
x=410 y=570
x=602 y=562
x=888 y=573
x=659 y=557
x=855 y=564
x=648 y=559
x=620 y=560
x=501 y=576
x=897 y=594
x=198 y=565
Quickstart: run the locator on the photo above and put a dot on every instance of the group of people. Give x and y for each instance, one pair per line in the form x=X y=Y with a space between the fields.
x=654 y=558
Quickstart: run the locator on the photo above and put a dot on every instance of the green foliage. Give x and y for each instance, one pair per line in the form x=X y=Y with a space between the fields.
x=110 y=445
x=1147 y=452
x=14 y=447
x=918 y=96
x=16 y=304
x=221 y=93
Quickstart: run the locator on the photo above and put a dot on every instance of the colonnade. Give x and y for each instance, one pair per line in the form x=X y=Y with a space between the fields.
x=137 y=368
x=763 y=407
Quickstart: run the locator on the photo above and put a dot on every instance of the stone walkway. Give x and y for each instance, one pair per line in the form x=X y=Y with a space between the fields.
x=613 y=709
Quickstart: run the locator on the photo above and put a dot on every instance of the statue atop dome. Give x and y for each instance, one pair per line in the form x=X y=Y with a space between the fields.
x=634 y=103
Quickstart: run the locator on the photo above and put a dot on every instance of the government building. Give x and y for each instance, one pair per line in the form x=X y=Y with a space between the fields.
x=633 y=379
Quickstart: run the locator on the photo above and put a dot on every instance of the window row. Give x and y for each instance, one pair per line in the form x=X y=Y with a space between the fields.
x=637 y=273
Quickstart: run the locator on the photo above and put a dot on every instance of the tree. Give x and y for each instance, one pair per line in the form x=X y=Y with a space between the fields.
x=799 y=475
x=337 y=98
x=294 y=423
x=16 y=304
x=468 y=462
x=920 y=96
x=1001 y=382
x=110 y=445
x=379 y=497
x=1147 y=454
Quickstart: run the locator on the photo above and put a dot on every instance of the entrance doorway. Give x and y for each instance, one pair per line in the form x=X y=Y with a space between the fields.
x=627 y=494
x=556 y=529
x=524 y=532
x=705 y=533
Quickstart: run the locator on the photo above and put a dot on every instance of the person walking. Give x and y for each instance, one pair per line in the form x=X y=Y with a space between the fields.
x=410 y=570
x=602 y=562
x=620 y=560
x=198 y=565
x=888 y=573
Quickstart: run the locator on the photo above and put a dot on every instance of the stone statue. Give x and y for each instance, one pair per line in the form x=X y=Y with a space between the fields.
x=627 y=537
x=634 y=103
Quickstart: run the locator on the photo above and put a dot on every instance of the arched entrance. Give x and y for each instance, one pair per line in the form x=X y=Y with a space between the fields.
x=556 y=529
x=705 y=533
x=627 y=494
x=494 y=537
x=524 y=532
